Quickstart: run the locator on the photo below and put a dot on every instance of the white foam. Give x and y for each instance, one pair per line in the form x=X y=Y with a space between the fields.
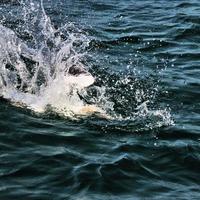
x=46 y=83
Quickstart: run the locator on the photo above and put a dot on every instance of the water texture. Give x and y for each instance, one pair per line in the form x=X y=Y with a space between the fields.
x=142 y=141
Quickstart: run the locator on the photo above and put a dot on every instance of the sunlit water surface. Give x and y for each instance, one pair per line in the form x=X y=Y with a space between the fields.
x=142 y=140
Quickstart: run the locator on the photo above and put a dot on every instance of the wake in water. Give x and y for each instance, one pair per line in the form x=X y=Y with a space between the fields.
x=41 y=68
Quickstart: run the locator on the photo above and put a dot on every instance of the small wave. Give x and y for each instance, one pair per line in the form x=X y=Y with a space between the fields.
x=121 y=40
x=155 y=44
x=193 y=31
x=102 y=6
x=186 y=5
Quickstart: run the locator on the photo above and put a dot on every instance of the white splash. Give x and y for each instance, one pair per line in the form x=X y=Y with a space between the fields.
x=46 y=71
x=37 y=74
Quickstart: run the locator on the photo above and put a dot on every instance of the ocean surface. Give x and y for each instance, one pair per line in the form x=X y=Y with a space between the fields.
x=145 y=57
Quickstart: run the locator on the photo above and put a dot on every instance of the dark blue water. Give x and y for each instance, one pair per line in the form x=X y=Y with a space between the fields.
x=155 y=45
